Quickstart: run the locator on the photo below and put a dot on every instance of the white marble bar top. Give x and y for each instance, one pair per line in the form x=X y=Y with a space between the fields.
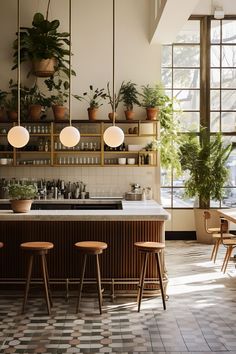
x=132 y=210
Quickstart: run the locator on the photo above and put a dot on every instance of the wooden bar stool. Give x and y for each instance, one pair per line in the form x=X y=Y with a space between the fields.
x=150 y=248
x=90 y=248
x=38 y=249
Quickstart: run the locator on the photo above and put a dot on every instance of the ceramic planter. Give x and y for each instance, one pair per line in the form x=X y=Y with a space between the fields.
x=152 y=113
x=35 y=112
x=129 y=114
x=21 y=206
x=92 y=113
x=59 y=112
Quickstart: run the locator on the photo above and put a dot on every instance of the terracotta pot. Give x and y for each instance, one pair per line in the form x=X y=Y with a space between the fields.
x=35 y=112
x=12 y=116
x=92 y=113
x=59 y=112
x=21 y=206
x=110 y=116
x=44 y=67
x=129 y=114
x=152 y=113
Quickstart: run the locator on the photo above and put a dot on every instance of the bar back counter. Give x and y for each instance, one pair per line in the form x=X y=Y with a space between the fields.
x=119 y=224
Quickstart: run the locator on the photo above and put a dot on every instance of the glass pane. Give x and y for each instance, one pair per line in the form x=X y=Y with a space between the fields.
x=215 y=78
x=229 y=78
x=228 y=100
x=165 y=177
x=228 y=121
x=169 y=93
x=215 y=100
x=188 y=99
x=215 y=31
x=231 y=164
x=186 y=78
x=190 y=33
x=166 y=55
x=166 y=77
x=180 y=200
x=189 y=121
x=166 y=197
x=228 y=55
x=186 y=56
x=215 y=56
x=229 y=199
x=215 y=122
x=229 y=31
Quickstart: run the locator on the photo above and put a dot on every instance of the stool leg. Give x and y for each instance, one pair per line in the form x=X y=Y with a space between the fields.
x=218 y=242
x=49 y=289
x=43 y=260
x=28 y=282
x=99 y=284
x=141 y=280
x=81 y=283
x=160 y=280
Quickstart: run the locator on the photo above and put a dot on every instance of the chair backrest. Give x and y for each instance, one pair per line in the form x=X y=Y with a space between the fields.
x=224 y=227
x=207 y=216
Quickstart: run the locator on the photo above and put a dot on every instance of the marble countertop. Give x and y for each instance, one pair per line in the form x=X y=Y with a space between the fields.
x=132 y=210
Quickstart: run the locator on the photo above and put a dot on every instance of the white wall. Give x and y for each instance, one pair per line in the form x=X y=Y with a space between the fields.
x=136 y=60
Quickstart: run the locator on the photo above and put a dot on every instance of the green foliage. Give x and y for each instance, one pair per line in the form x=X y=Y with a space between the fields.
x=152 y=97
x=3 y=95
x=117 y=97
x=152 y=146
x=205 y=161
x=94 y=97
x=11 y=99
x=22 y=191
x=129 y=95
x=43 y=41
x=56 y=83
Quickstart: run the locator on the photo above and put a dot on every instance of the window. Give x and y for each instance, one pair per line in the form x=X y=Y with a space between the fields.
x=182 y=65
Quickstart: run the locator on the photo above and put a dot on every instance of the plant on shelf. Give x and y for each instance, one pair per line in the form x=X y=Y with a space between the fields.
x=152 y=146
x=129 y=95
x=59 y=87
x=44 y=46
x=11 y=102
x=205 y=161
x=21 y=196
x=114 y=102
x=153 y=99
x=3 y=95
x=34 y=101
x=94 y=98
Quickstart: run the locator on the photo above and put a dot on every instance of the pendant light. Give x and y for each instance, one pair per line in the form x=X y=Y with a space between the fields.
x=69 y=136
x=113 y=136
x=18 y=136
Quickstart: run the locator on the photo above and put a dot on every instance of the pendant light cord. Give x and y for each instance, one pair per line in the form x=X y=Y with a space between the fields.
x=18 y=62
x=113 y=64
x=70 y=63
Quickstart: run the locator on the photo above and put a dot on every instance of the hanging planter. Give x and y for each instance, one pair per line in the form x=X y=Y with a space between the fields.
x=44 y=67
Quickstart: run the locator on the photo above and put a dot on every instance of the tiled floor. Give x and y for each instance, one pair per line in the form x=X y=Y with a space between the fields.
x=200 y=316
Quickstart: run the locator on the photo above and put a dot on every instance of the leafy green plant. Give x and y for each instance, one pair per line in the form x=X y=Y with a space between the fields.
x=152 y=146
x=3 y=95
x=55 y=83
x=152 y=97
x=117 y=97
x=43 y=41
x=22 y=191
x=205 y=160
x=129 y=95
x=94 y=97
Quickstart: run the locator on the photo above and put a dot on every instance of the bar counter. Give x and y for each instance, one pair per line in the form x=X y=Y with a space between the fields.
x=120 y=263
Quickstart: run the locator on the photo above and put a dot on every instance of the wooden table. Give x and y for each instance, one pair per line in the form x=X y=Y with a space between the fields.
x=229 y=214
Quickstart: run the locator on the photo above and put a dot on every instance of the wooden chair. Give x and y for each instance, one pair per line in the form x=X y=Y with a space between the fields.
x=148 y=248
x=38 y=249
x=229 y=243
x=90 y=248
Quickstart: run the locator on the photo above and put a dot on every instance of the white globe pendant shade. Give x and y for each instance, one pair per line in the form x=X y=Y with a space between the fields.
x=113 y=136
x=18 y=136
x=69 y=136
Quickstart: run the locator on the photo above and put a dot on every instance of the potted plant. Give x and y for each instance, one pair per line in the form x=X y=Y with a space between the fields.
x=205 y=161
x=34 y=102
x=22 y=196
x=44 y=46
x=129 y=95
x=94 y=98
x=114 y=103
x=11 y=102
x=3 y=95
x=152 y=99
x=61 y=87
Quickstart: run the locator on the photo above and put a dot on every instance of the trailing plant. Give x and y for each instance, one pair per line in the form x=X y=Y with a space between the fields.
x=117 y=97
x=22 y=191
x=43 y=41
x=129 y=95
x=94 y=97
x=56 y=83
x=205 y=160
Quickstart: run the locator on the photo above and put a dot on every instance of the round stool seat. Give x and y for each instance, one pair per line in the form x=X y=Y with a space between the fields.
x=91 y=247
x=150 y=246
x=37 y=246
x=1 y=244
